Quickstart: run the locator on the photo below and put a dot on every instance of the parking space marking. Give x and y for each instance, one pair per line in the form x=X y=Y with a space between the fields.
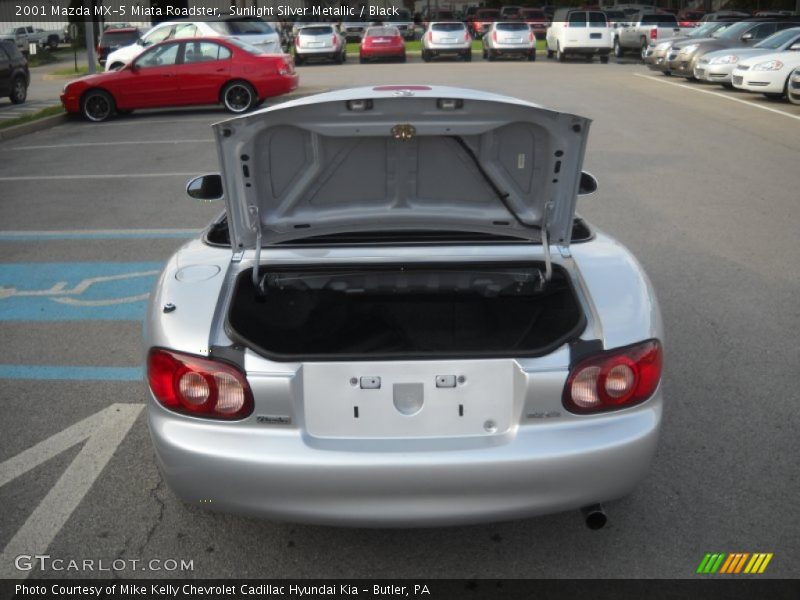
x=719 y=95
x=102 y=433
x=75 y=291
x=114 y=176
x=97 y=234
x=68 y=373
x=93 y=144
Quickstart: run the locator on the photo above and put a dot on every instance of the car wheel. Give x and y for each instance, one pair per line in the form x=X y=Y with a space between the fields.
x=239 y=96
x=298 y=60
x=532 y=56
x=52 y=43
x=468 y=56
x=549 y=53
x=338 y=59
x=361 y=60
x=485 y=54
x=97 y=105
x=19 y=90
x=425 y=56
x=491 y=56
x=618 y=52
x=604 y=59
x=643 y=51
x=560 y=56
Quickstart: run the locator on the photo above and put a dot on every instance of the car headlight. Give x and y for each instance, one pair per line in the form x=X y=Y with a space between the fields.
x=770 y=65
x=690 y=48
x=728 y=59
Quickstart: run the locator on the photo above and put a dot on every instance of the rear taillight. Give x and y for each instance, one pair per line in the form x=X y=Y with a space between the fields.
x=297 y=42
x=466 y=36
x=654 y=33
x=494 y=36
x=198 y=386
x=531 y=36
x=430 y=36
x=334 y=40
x=615 y=379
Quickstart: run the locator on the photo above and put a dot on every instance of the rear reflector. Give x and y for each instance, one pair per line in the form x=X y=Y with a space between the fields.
x=615 y=379
x=198 y=386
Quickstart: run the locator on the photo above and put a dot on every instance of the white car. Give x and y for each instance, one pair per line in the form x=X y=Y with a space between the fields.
x=319 y=41
x=447 y=38
x=252 y=31
x=583 y=32
x=767 y=74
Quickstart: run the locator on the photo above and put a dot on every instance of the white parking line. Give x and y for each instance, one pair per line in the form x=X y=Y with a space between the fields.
x=115 y=176
x=103 y=432
x=719 y=95
x=90 y=144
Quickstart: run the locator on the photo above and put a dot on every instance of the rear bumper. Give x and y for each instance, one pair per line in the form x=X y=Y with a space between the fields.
x=282 y=473
x=382 y=53
x=441 y=49
x=281 y=84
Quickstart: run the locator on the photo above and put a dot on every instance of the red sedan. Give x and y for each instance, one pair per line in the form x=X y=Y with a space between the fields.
x=382 y=42
x=184 y=72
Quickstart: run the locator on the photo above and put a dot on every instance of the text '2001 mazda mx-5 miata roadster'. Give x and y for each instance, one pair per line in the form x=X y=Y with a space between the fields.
x=400 y=321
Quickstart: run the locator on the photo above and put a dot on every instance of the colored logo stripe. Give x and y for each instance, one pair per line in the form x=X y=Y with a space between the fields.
x=734 y=563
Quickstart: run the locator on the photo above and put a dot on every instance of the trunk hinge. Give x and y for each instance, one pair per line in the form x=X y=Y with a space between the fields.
x=548 y=263
x=255 y=225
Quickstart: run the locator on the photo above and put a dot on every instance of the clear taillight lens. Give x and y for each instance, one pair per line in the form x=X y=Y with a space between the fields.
x=614 y=379
x=198 y=386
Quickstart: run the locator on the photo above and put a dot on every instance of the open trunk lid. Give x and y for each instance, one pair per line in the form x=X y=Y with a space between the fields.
x=401 y=158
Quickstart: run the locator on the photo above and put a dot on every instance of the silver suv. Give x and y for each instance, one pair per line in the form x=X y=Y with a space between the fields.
x=446 y=38
x=319 y=41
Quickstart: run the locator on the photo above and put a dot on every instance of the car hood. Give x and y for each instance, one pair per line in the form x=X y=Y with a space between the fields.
x=740 y=52
x=95 y=79
x=790 y=58
x=414 y=158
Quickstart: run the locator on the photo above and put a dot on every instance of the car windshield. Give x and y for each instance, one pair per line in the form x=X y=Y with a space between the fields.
x=512 y=27
x=318 y=30
x=243 y=27
x=247 y=47
x=382 y=32
x=734 y=31
x=776 y=40
x=118 y=38
x=447 y=27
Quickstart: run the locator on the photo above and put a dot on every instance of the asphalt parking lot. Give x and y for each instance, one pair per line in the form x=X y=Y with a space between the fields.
x=701 y=185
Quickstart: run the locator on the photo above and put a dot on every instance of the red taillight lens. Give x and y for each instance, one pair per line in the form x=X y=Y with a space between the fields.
x=531 y=36
x=494 y=36
x=297 y=42
x=654 y=33
x=334 y=40
x=198 y=386
x=430 y=36
x=466 y=36
x=614 y=379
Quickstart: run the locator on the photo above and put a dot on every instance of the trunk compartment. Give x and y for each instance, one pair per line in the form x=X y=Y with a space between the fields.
x=358 y=312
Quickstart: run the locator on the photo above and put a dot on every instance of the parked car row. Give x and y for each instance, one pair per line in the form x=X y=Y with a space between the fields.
x=754 y=54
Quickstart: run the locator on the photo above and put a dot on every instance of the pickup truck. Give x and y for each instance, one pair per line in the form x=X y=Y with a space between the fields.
x=646 y=29
x=23 y=36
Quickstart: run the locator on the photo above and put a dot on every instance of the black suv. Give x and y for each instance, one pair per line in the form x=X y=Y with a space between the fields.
x=14 y=74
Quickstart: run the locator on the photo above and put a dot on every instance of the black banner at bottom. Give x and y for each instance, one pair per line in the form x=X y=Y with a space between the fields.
x=374 y=589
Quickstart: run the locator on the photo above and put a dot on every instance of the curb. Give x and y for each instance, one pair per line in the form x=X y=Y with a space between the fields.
x=19 y=130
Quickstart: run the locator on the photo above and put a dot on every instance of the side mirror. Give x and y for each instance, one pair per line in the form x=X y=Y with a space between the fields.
x=206 y=187
x=795 y=47
x=588 y=184
x=747 y=37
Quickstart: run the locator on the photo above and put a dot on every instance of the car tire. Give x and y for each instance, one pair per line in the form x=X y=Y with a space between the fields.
x=532 y=56
x=560 y=56
x=604 y=59
x=485 y=54
x=403 y=58
x=361 y=60
x=239 y=97
x=52 y=43
x=298 y=60
x=97 y=106
x=491 y=56
x=426 y=57
x=468 y=56
x=19 y=90
x=727 y=85
x=338 y=59
x=550 y=53
x=643 y=48
x=618 y=51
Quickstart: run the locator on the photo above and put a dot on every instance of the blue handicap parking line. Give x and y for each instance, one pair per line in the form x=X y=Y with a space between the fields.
x=55 y=373
x=76 y=291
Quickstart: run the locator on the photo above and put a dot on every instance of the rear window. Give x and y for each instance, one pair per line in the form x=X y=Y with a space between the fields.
x=118 y=38
x=661 y=20
x=512 y=27
x=579 y=19
x=447 y=27
x=244 y=27
x=319 y=30
x=382 y=32
x=615 y=15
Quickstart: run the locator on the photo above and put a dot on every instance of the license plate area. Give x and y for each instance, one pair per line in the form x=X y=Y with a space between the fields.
x=409 y=399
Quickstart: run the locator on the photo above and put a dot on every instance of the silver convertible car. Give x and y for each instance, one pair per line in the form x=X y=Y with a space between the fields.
x=400 y=321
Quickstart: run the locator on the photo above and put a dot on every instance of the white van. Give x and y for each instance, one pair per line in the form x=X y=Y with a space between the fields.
x=575 y=31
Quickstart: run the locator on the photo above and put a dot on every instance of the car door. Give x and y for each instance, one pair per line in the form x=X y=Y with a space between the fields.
x=5 y=71
x=153 y=80
x=205 y=68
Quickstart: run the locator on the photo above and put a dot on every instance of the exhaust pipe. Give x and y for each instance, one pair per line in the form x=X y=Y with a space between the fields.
x=594 y=516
